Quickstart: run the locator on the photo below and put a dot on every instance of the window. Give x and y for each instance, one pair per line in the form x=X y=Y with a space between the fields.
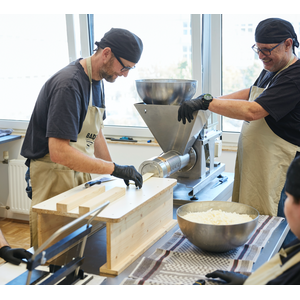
x=241 y=65
x=40 y=45
x=166 y=54
x=34 y=47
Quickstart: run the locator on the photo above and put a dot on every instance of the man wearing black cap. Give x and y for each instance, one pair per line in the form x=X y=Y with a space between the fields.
x=270 y=136
x=64 y=142
x=284 y=267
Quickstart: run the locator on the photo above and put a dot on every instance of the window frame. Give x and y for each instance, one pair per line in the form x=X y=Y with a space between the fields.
x=209 y=74
x=228 y=138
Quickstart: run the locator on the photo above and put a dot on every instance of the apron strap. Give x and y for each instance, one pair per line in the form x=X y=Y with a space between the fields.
x=89 y=69
x=286 y=66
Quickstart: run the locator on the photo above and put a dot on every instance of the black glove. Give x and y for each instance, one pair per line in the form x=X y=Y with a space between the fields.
x=187 y=108
x=14 y=256
x=231 y=278
x=128 y=173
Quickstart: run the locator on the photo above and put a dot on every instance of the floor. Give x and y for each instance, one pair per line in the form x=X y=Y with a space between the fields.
x=17 y=233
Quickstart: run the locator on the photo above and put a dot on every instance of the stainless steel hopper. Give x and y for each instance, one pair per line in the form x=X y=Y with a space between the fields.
x=169 y=133
x=187 y=155
x=161 y=99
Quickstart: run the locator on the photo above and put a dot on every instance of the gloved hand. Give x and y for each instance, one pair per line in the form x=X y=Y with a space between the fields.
x=14 y=256
x=128 y=173
x=232 y=278
x=187 y=108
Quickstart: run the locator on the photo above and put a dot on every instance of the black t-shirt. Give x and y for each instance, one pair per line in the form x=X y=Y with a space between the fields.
x=282 y=101
x=60 y=109
x=292 y=275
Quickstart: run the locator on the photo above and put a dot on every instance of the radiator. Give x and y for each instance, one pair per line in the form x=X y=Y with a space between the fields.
x=19 y=202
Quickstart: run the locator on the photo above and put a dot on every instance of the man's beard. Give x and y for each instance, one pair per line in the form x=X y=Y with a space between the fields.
x=107 y=73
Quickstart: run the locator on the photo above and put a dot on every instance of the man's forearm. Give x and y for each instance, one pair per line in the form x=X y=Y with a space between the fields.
x=237 y=109
x=237 y=106
x=101 y=149
x=62 y=153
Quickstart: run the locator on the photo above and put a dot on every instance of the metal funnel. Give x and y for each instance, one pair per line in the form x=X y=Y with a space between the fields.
x=170 y=134
x=161 y=118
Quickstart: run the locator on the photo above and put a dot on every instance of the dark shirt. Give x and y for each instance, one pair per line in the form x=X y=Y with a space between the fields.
x=60 y=109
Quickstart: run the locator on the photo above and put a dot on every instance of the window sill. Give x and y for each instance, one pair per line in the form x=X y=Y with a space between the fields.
x=140 y=142
x=229 y=148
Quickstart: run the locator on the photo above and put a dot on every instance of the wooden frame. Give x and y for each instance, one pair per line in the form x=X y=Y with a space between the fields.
x=135 y=219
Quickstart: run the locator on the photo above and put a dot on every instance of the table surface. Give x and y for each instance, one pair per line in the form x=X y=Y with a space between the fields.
x=272 y=247
x=95 y=250
x=9 y=138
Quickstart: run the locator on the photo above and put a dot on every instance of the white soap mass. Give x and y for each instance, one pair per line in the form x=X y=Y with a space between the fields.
x=217 y=217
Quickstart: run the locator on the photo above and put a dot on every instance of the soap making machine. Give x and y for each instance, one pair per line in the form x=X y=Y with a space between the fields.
x=188 y=149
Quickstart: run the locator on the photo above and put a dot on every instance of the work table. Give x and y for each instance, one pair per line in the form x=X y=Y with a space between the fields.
x=9 y=138
x=96 y=251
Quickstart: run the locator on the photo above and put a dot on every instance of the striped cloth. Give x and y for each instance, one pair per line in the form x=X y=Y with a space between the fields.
x=180 y=262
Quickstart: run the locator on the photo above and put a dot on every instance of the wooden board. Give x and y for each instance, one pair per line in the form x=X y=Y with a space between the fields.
x=111 y=195
x=83 y=196
x=119 y=209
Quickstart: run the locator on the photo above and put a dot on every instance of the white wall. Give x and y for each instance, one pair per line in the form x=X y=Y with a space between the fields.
x=124 y=154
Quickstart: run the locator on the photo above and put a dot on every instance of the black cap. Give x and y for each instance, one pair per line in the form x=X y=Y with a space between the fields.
x=275 y=30
x=122 y=43
x=293 y=178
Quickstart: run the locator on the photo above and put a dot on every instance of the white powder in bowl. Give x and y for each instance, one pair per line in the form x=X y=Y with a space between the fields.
x=217 y=217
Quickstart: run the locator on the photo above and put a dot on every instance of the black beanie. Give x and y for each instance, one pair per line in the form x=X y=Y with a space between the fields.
x=293 y=178
x=275 y=30
x=122 y=43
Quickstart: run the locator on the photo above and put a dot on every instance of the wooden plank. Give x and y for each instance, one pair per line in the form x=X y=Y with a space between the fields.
x=111 y=195
x=135 y=198
x=119 y=209
x=81 y=197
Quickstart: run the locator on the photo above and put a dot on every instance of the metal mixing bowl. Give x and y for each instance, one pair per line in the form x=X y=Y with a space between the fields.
x=217 y=238
x=166 y=91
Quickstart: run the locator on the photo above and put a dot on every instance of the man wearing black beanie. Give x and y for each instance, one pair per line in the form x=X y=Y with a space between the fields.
x=270 y=136
x=64 y=142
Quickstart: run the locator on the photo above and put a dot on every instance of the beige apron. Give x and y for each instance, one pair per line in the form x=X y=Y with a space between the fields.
x=49 y=179
x=273 y=268
x=261 y=164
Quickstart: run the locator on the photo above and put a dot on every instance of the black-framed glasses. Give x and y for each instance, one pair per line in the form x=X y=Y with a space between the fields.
x=265 y=51
x=124 y=68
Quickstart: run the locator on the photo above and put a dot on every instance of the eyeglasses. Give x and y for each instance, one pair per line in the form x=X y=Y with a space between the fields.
x=266 y=52
x=124 y=68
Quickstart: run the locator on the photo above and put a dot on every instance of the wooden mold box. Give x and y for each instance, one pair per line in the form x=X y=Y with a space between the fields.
x=135 y=219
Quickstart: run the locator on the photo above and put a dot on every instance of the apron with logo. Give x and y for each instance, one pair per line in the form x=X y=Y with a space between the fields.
x=273 y=268
x=49 y=179
x=261 y=163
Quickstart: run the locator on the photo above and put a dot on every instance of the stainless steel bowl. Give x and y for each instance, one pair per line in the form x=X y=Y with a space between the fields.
x=166 y=91
x=217 y=238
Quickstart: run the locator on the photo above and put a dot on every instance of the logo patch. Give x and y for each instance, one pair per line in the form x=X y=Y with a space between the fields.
x=90 y=139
